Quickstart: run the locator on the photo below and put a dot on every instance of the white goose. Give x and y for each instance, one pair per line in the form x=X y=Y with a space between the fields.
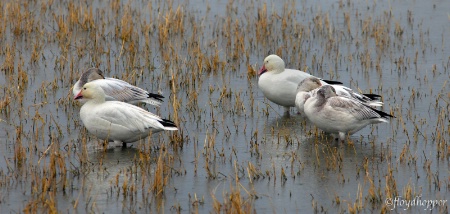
x=279 y=84
x=340 y=115
x=309 y=86
x=116 y=89
x=117 y=121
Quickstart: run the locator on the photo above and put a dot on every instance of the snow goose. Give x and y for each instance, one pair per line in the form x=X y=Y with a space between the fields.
x=116 y=89
x=117 y=121
x=340 y=115
x=279 y=84
x=309 y=86
x=306 y=89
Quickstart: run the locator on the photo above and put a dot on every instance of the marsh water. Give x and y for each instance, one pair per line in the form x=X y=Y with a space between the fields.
x=235 y=151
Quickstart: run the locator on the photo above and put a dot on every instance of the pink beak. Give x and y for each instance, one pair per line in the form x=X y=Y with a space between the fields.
x=79 y=96
x=262 y=70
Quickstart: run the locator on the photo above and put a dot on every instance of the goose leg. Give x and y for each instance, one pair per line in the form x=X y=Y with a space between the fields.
x=342 y=136
x=119 y=143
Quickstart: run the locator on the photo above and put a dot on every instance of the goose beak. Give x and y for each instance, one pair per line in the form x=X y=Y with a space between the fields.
x=262 y=70
x=79 y=96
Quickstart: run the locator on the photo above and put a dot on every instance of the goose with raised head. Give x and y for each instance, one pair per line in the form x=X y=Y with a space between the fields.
x=279 y=84
x=117 y=121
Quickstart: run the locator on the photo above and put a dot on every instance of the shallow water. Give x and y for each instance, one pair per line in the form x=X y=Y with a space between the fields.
x=202 y=56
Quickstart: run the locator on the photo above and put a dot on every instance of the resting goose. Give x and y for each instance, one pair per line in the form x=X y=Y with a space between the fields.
x=116 y=89
x=340 y=115
x=309 y=86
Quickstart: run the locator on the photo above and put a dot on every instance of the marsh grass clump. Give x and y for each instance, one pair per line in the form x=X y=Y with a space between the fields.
x=234 y=201
x=171 y=24
x=9 y=62
x=63 y=34
x=2 y=25
x=162 y=172
x=374 y=195
x=390 y=189
x=23 y=18
x=4 y=105
x=125 y=32
x=50 y=178
x=19 y=149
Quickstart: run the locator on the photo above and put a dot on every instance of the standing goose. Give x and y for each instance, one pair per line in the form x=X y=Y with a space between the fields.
x=341 y=115
x=279 y=84
x=117 y=121
x=116 y=89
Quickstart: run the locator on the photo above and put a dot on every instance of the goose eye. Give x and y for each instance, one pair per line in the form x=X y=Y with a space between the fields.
x=84 y=88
